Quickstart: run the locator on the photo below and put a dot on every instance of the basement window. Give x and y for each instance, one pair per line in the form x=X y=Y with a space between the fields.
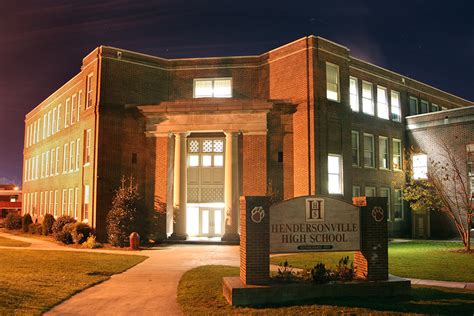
x=213 y=88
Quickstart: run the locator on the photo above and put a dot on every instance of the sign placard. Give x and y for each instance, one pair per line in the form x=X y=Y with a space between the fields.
x=306 y=224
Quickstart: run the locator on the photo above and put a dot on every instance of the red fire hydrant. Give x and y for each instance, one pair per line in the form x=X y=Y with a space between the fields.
x=134 y=241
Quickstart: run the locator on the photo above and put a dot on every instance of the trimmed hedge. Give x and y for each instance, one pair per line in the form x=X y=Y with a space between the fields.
x=25 y=222
x=48 y=223
x=80 y=232
x=13 y=221
x=35 y=228
x=59 y=231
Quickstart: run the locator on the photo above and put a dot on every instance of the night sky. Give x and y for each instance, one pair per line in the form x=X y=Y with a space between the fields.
x=42 y=43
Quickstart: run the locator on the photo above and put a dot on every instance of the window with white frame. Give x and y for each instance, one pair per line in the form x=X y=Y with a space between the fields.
x=56 y=167
x=413 y=103
x=86 y=202
x=76 y=201
x=87 y=146
x=51 y=204
x=369 y=151
x=45 y=124
x=424 y=106
x=70 y=200
x=72 y=153
x=332 y=82
x=56 y=203
x=367 y=98
x=354 y=94
x=89 y=91
x=64 y=203
x=46 y=174
x=434 y=107
x=420 y=166
x=335 y=182
x=65 y=157
x=396 y=108
x=397 y=204
x=49 y=124
x=355 y=148
x=41 y=203
x=51 y=163
x=58 y=118
x=370 y=191
x=382 y=103
x=355 y=191
x=397 y=154
x=212 y=88
x=384 y=161
x=38 y=135
x=36 y=162
x=67 y=116
x=53 y=122
x=385 y=192
x=42 y=165
x=73 y=109
x=77 y=153
x=79 y=104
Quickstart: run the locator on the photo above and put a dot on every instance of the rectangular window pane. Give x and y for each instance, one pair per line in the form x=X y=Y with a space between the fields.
x=370 y=191
x=354 y=94
x=397 y=154
x=203 y=88
x=218 y=160
x=424 y=107
x=355 y=191
x=355 y=148
x=193 y=160
x=396 y=109
x=335 y=174
x=332 y=82
x=420 y=166
x=413 y=106
x=206 y=160
x=369 y=151
x=367 y=98
x=434 y=107
x=382 y=103
x=222 y=88
x=397 y=204
x=383 y=153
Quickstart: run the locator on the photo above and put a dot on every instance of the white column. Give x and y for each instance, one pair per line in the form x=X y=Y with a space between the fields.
x=231 y=186
x=179 y=187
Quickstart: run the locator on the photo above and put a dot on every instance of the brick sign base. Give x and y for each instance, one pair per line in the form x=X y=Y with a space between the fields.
x=254 y=286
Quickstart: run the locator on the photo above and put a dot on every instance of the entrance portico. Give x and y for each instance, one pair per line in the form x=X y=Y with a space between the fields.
x=204 y=180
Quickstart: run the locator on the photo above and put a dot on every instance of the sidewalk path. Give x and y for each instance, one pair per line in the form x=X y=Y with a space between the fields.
x=149 y=288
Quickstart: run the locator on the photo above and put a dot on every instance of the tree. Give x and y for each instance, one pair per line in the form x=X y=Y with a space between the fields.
x=127 y=214
x=445 y=189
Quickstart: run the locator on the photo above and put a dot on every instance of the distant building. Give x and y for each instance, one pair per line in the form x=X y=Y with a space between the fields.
x=302 y=119
x=10 y=199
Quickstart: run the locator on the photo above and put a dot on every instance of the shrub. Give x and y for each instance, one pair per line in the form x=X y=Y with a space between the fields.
x=126 y=216
x=59 y=231
x=35 y=228
x=80 y=233
x=344 y=271
x=320 y=274
x=48 y=222
x=65 y=236
x=25 y=222
x=13 y=221
x=285 y=272
x=91 y=243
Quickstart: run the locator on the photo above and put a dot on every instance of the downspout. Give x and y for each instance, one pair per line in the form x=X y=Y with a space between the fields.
x=96 y=137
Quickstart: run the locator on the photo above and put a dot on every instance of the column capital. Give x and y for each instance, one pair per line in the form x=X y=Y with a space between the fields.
x=233 y=133
x=179 y=134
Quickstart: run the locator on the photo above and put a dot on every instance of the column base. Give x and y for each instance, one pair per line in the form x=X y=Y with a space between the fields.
x=177 y=236
x=230 y=237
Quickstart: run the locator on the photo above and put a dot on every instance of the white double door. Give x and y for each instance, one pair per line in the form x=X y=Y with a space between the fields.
x=211 y=222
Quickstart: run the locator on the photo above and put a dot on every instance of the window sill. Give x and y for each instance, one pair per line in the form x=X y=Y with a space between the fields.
x=367 y=167
x=86 y=164
x=399 y=219
x=385 y=169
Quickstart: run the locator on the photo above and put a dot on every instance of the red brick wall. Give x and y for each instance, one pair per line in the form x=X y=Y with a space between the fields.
x=254 y=165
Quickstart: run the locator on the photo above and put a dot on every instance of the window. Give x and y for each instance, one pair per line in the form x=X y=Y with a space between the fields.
x=87 y=147
x=354 y=94
x=424 y=106
x=397 y=154
x=46 y=174
x=213 y=88
x=71 y=156
x=369 y=151
x=53 y=122
x=383 y=153
x=382 y=103
x=36 y=162
x=413 y=106
x=42 y=165
x=65 y=158
x=73 y=109
x=396 y=108
x=434 y=107
x=56 y=167
x=397 y=204
x=70 y=200
x=89 y=91
x=77 y=153
x=420 y=166
x=76 y=202
x=332 y=82
x=41 y=203
x=64 y=207
x=355 y=191
x=56 y=203
x=51 y=204
x=355 y=148
x=48 y=131
x=86 y=202
x=79 y=103
x=51 y=163
x=367 y=98
x=335 y=174
x=38 y=123
x=58 y=120
x=370 y=192
x=67 y=117
x=385 y=192
x=45 y=123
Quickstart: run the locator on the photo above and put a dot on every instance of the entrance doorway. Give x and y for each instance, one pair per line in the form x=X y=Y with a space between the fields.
x=205 y=186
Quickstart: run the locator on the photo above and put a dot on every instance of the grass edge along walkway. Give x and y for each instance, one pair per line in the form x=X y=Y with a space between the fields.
x=34 y=281
x=10 y=242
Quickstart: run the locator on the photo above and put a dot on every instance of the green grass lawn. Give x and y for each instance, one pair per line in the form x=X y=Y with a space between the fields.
x=33 y=281
x=7 y=242
x=418 y=259
x=200 y=293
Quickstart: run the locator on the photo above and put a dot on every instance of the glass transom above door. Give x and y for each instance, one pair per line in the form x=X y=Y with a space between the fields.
x=205 y=173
